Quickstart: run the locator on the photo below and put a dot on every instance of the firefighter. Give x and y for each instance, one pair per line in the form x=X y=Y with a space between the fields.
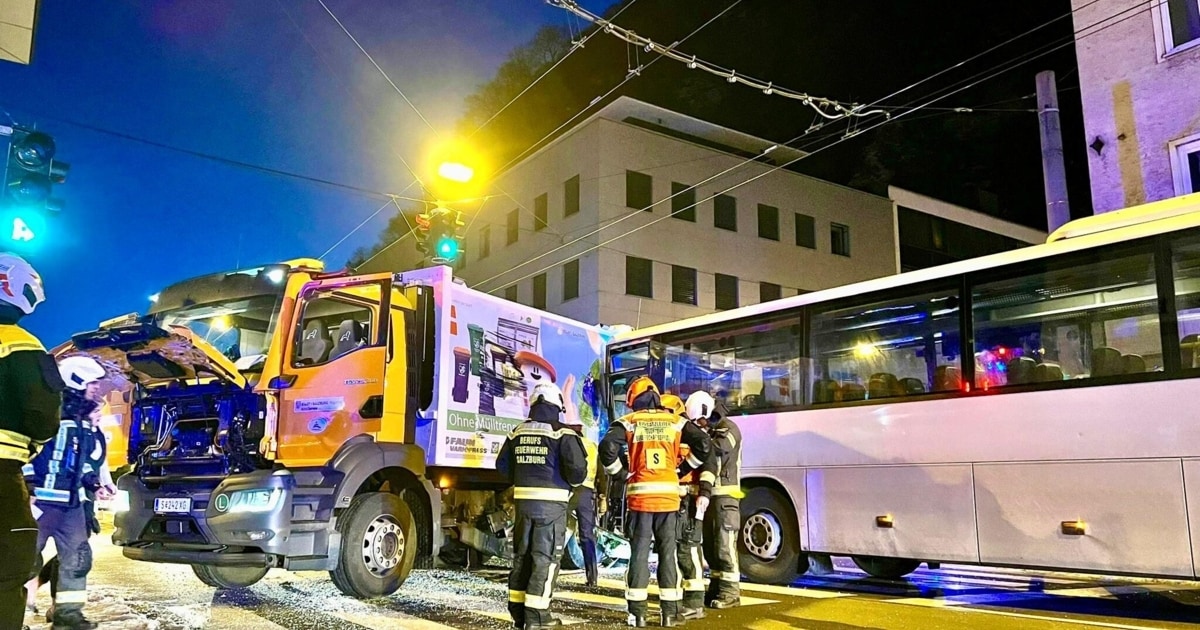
x=723 y=518
x=61 y=476
x=30 y=397
x=644 y=447
x=584 y=502
x=695 y=488
x=544 y=460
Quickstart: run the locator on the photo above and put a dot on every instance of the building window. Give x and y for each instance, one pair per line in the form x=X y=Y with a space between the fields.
x=639 y=190
x=639 y=277
x=513 y=226
x=768 y=222
x=571 y=196
x=768 y=292
x=1185 y=162
x=539 y=291
x=571 y=280
x=839 y=239
x=806 y=231
x=727 y=292
x=1180 y=23
x=539 y=212
x=510 y=293
x=683 y=202
x=683 y=285
x=725 y=212
x=485 y=242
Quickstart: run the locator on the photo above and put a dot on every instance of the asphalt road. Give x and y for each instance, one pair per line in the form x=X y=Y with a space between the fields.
x=130 y=595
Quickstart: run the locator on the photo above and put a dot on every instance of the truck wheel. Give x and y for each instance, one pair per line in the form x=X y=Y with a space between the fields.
x=379 y=546
x=769 y=542
x=228 y=577
x=886 y=568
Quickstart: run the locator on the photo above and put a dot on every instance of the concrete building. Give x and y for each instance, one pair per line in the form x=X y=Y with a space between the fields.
x=17 y=20
x=932 y=232
x=1139 y=70
x=589 y=227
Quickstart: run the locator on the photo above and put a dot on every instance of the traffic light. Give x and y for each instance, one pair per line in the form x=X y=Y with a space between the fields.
x=30 y=173
x=439 y=234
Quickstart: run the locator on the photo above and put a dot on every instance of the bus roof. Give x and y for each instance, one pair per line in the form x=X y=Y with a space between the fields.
x=1160 y=217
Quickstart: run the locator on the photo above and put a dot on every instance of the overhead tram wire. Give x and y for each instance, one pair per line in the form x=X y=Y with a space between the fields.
x=367 y=220
x=575 y=45
x=795 y=160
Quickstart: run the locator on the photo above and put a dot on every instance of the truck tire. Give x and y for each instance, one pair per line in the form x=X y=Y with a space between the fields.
x=769 y=541
x=379 y=546
x=886 y=568
x=229 y=577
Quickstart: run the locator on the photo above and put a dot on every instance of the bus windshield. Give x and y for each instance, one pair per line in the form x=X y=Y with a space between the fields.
x=240 y=329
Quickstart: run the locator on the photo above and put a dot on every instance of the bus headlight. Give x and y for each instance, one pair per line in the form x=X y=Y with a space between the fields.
x=257 y=500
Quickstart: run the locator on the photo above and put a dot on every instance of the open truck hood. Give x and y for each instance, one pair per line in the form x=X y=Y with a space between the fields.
x=144 y=353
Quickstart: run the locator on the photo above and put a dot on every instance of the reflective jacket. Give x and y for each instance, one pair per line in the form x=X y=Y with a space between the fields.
x=30 y=394
x=67 y=467
x=543 y=460
x=727 y=446
x=653 y=441
x=696 y=481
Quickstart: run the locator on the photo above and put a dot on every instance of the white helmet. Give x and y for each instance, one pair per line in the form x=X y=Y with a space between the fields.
x=20 y=285
x=78 y=371
x=700 y=405
x=549 y=393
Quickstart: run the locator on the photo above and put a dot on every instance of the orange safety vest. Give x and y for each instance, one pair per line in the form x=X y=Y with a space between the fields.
x=689 y=483
x=654 y=439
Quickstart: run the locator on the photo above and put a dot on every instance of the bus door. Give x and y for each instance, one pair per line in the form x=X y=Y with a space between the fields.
x=331 y=380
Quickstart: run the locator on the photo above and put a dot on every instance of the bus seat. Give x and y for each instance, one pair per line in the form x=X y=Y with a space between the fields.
x=825 y=391
x=1047 y=373
x=351 y=335
x=1106 y=362
x=883 y=385
x=1188 y=347
x=1020 y=370
x=912 y=386
x=854 y=391
x=947 y=378
x=316 y=344
x=1132 y=364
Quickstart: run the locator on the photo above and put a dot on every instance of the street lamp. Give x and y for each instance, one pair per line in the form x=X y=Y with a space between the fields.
x=456 y=172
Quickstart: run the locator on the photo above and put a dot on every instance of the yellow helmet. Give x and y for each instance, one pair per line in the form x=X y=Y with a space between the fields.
x=637 y=387
x=672 y=403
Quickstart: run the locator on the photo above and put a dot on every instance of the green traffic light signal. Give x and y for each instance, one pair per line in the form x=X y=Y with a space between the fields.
x=447 y=248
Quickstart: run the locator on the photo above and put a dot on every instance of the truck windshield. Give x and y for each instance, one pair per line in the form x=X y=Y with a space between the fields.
x=240 y=329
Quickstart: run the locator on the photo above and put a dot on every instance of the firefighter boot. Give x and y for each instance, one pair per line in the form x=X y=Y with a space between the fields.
x=73 y=620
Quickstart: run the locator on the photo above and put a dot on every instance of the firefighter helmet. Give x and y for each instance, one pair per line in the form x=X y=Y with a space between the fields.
x=20 y=285
x=700 y=405
x=548 y=393
x=672 y=403
x=78 y=371
x=639 y=386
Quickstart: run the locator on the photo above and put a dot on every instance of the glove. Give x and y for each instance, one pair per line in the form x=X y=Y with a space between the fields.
x=701 y=506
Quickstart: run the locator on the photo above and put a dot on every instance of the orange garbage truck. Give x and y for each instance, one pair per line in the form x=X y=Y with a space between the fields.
x=288 y=417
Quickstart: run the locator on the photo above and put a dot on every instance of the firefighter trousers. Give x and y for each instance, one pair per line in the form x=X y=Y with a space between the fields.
x=658 y=529
x=18 y=544
x=538 y=538
x=689 y=532
x=721 y=524
x=585 y=515
x=68 y=526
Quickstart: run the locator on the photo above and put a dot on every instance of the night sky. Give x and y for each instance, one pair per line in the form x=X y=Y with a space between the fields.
x=238 y=80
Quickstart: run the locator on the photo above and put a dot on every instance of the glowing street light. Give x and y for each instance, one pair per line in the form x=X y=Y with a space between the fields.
x=456 y=172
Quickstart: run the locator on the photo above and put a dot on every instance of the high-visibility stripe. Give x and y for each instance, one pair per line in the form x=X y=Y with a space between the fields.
x=728 y=576
x=694 y=461
x=15 y=446
x=652 y=487
x=28 y=470
x=588 y=483
x=14 y=453
x=697 y=576
x=637 y=594
x=537 y=602
x=71 y=597
x=692 y=586
x=670 y=594
x=541 y=494
x=710 y=477
x=516 y=597
x=728 y=491
x=50 y=494
x=613 y=468
x=536 y=428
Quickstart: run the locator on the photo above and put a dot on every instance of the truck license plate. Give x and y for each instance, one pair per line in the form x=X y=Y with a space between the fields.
x=173 y=505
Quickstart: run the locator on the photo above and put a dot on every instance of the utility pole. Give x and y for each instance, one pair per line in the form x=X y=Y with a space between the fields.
x=1054 y=171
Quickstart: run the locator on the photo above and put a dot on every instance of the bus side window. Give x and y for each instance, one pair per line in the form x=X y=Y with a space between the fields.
x=886 y=349
x=1089 y=317
x=1186 y=263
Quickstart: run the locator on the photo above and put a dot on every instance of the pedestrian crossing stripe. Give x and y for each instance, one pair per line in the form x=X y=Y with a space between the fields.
x=746 y=601
x=386 y=620
x=505 y=617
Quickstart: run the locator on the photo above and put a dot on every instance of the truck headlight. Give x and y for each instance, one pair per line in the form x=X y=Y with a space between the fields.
x=257 y=500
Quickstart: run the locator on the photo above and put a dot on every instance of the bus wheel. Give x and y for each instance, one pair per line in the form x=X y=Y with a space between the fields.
x=886 y=568
x=379 y=546
x=229 y=577
x=769 y=543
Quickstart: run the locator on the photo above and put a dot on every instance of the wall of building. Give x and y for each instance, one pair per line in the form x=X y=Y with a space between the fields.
x=1137 y=98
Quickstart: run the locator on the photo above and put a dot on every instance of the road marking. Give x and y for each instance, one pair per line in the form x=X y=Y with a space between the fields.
x=1015 y=576
x=653 y=588
x=382 y=619
x=770 y=624
x=927 y=602
x=503 y=616
x=603 y=601
x=1079 y=622
x=793 y=591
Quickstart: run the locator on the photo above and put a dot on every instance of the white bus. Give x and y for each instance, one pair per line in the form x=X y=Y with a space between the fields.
x=1035 y=408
